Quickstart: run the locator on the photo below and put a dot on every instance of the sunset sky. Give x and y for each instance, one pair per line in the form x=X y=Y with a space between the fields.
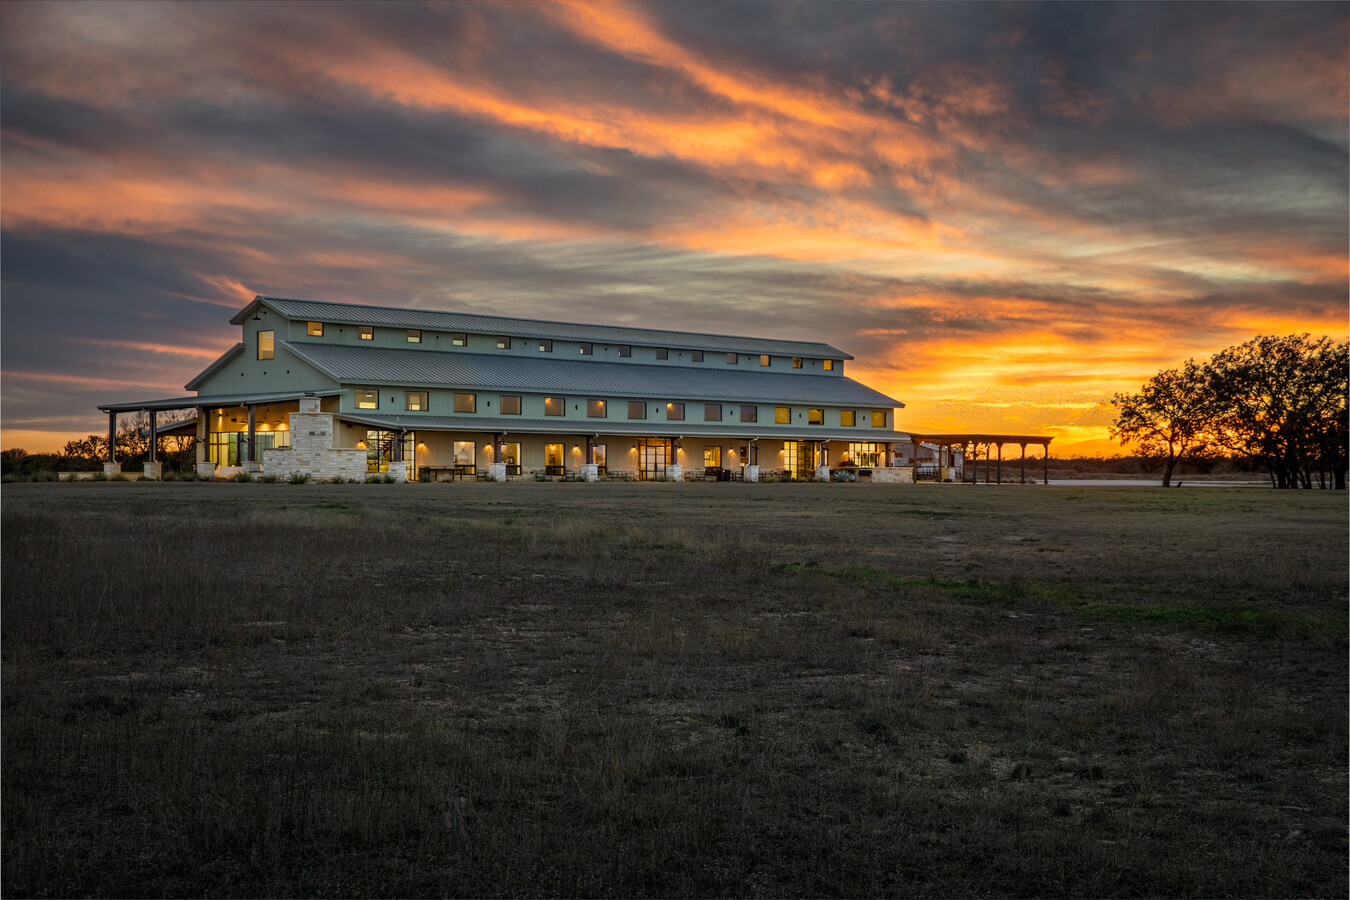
x=1006 y=212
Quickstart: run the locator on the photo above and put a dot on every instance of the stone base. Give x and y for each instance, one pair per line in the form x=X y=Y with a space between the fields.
x=676 y=472
x=894 y=475
x=496 y=471
x=112 y=470
x=154 y=471
x=398 y=469
x=590 y=472
x=752 y=473
x=206 y=469
x=822 y=473
x=251 y=466
x=950 y=473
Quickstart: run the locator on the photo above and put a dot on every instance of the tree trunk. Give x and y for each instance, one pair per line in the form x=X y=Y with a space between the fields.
x=1167 y=471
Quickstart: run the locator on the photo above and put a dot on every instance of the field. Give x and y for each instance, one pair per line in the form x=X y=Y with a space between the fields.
x=673 y=690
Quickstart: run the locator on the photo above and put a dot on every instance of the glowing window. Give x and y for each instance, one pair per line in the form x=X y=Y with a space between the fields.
x=367 y=332
x=712 y=457
x=459 y=339
x=878 y=418
x=595 y=409
x=815 y=417
x=555 y=406
x=503 y=342
x=848 y=417
x=764 y=359
x=637 y=409
x=829 y=365
x=414 y=335
x=417 y=401
x=675 y=412
x=267 y=342
x=796 y=362
x=510 y=405
x=585 y=349
x=315 y=329
x=545 y=346
x=466 y=403
x=782 y=415
x=367 y=399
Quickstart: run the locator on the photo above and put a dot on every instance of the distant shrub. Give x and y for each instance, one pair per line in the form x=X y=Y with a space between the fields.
x=268 y=479
x=242 y=477
x=298 y=478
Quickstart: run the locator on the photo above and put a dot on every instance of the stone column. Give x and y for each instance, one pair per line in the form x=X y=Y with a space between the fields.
x=752 y=473
x=822 y=473
x=250 y=462
x=675 y=471
x=112 y=468
x=591 y=472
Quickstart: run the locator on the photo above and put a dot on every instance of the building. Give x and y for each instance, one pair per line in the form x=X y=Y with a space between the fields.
x=335 y=389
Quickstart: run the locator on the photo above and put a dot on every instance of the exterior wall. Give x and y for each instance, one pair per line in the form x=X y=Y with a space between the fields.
x=312 y=449
x=248 y=374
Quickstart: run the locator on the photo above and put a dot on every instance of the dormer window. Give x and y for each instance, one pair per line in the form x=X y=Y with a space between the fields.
x=367 y=333
x=625 y=352
x=731 y=359
x=459 y=339
x=267 y=342
x=503 y=342
x=414 y=335
x=585 y=349
x=829 y=365
x=796 y=362
x=764 y=359
x=696 y=355
x=315 y=329
x=545 y=346
x=662 y=353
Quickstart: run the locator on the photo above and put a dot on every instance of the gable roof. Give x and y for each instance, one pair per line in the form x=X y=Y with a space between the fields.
x=474 y=323
x=210 y=370
x=440 y=368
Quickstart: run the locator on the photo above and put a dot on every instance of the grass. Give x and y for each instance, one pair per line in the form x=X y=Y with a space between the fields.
x=684 y=689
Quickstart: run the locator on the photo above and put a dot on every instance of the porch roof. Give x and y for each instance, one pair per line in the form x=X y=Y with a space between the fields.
x=212 y=400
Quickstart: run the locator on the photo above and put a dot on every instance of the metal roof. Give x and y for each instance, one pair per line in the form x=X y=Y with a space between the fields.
x=582 y=427
x=436 y=320
x=212 y=400
x=418 y=368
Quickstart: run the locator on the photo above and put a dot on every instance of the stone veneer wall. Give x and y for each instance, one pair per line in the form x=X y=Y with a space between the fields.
x=311 y=451
x=894 y=474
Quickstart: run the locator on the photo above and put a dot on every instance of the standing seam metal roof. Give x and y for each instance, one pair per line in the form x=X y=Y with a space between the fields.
x=475 y=323
x=429 y=368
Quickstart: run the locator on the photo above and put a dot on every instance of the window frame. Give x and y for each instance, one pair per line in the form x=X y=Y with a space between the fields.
x=674 y=410
x=545 y=345
x=879 y=414
x=712 y=407
x=414 y=335
x=502 y=404
x=466 y=406
x=313 y=329
x=271 y=352
x=503 y=342
x=815 y=416
x=641 y=406
x=625 y=351
x=591 y=409
x=558 y=403
x=365 y=332
x=356 y=397
x=459 y=339
x=848 y=418
x=408 y=401
x=796 y=362
x=733 y=359
x=828 y=364
x=586 y=348
x=782 y=415
x=753 y=413
x=696 y=356
x=663 y=353
x=765 y=359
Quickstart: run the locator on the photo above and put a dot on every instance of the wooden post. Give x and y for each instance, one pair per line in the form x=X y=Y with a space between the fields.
x=1045 y=461
x=203 y=434
x=112 y=437
x=252 y=432
x=154 y=436
x=1024 y=464
x=999 y=480
x=396 y=451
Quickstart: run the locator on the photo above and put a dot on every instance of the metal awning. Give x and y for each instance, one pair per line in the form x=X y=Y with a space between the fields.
x=212 y=401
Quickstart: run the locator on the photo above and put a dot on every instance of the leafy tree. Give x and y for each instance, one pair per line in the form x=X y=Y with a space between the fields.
x=1169 y=418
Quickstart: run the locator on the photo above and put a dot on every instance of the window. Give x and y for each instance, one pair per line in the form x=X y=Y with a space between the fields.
x=764 y=359
x=782 y=415
x=878 y=418
x=815 y=417
x=598 y=455
x=595 y=409
x=366 y=332
x=503 y=342
x=466 y=453
x=267 y=343
x=585 y=349
x=696 y=355
x=712 y=457
x=796 y=362
x=510 y=405
x=749 y=413
x=829 y=365
x=545 y=346
x=315 y=329
x=625 y=352
x=414 y=335
x=712 y=412
x=675 y=412
x=555 y=406
x=367 y=399
x=637 y=409
x=731 y=359
x=466 y=403
x=848 y=417
x=663 y=353
x=459 y=339
x=417 y=401
x=869 y=455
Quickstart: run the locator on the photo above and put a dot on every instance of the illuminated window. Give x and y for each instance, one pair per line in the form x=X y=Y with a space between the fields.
x=466 y=403
x=731 y=359
x=815 y=417
x=414 y=335
x=595 y=409
x=367 y=399
x=867 y=454
x=848 y=417
x=782 y=415
x=315 y=329
x=555 y=406
x=675 y=412
x=637 y=409
x=712 y=457
x=510 y=405
x=796 y=362
x=749 y=413
x=459 y=339
x=712 y=412
x=829 y=365
x=267 y=342
x=586 y=349
x=466 y=453
x=663 y=353
x=696 y=355
x=625 y=352
x=417 y=401
x=764 y=359
x=878 y=418
x=545 y=346
x=503 y=342
x=367 y=333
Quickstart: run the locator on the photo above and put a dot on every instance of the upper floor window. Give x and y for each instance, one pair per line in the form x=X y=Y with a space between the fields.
x=848 y=417
x=366 y=332
x=585 y=348
x=315 y=329
x=796 y=362
x=417 y=401
x=749 y=413
x=555 y=406
x=815 y=417
x=782 y=415
x=625 y=351
x=466 y=403
x=696 y=355
x=764 y=359
x=663 y=353
x=712 y=412
x=510 y=405
x=828 y=364
x=878 y=418
x=367 y=399
x=267 y=343
x=545 y=346
x=459 y=339
x=595 y=409
x=637 y=409
x=731 y=359
x=675 y=412
x=414 y=335
x=503 y=342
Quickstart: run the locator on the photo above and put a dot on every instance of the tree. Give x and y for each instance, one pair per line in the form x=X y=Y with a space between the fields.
x=1170 y=418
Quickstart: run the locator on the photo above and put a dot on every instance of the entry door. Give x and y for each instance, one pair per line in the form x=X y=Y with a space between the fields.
x=653 y=456
x=553 y=459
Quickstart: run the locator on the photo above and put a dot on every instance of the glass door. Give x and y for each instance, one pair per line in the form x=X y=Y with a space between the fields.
x=553 y=460
x=653 y=457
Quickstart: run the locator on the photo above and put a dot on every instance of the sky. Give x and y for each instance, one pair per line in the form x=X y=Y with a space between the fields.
x=1005 y=212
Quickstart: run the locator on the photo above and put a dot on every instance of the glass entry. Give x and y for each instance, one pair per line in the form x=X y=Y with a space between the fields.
x=653 y=456
x=380 y=450
x=799 y=458
x=511 y=456
x=553 y=460
x=598 y=457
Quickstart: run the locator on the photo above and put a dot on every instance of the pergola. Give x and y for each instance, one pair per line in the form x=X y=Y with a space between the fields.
x=968 y=442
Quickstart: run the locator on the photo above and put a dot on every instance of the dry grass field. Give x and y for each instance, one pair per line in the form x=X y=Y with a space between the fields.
x=673 y=690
